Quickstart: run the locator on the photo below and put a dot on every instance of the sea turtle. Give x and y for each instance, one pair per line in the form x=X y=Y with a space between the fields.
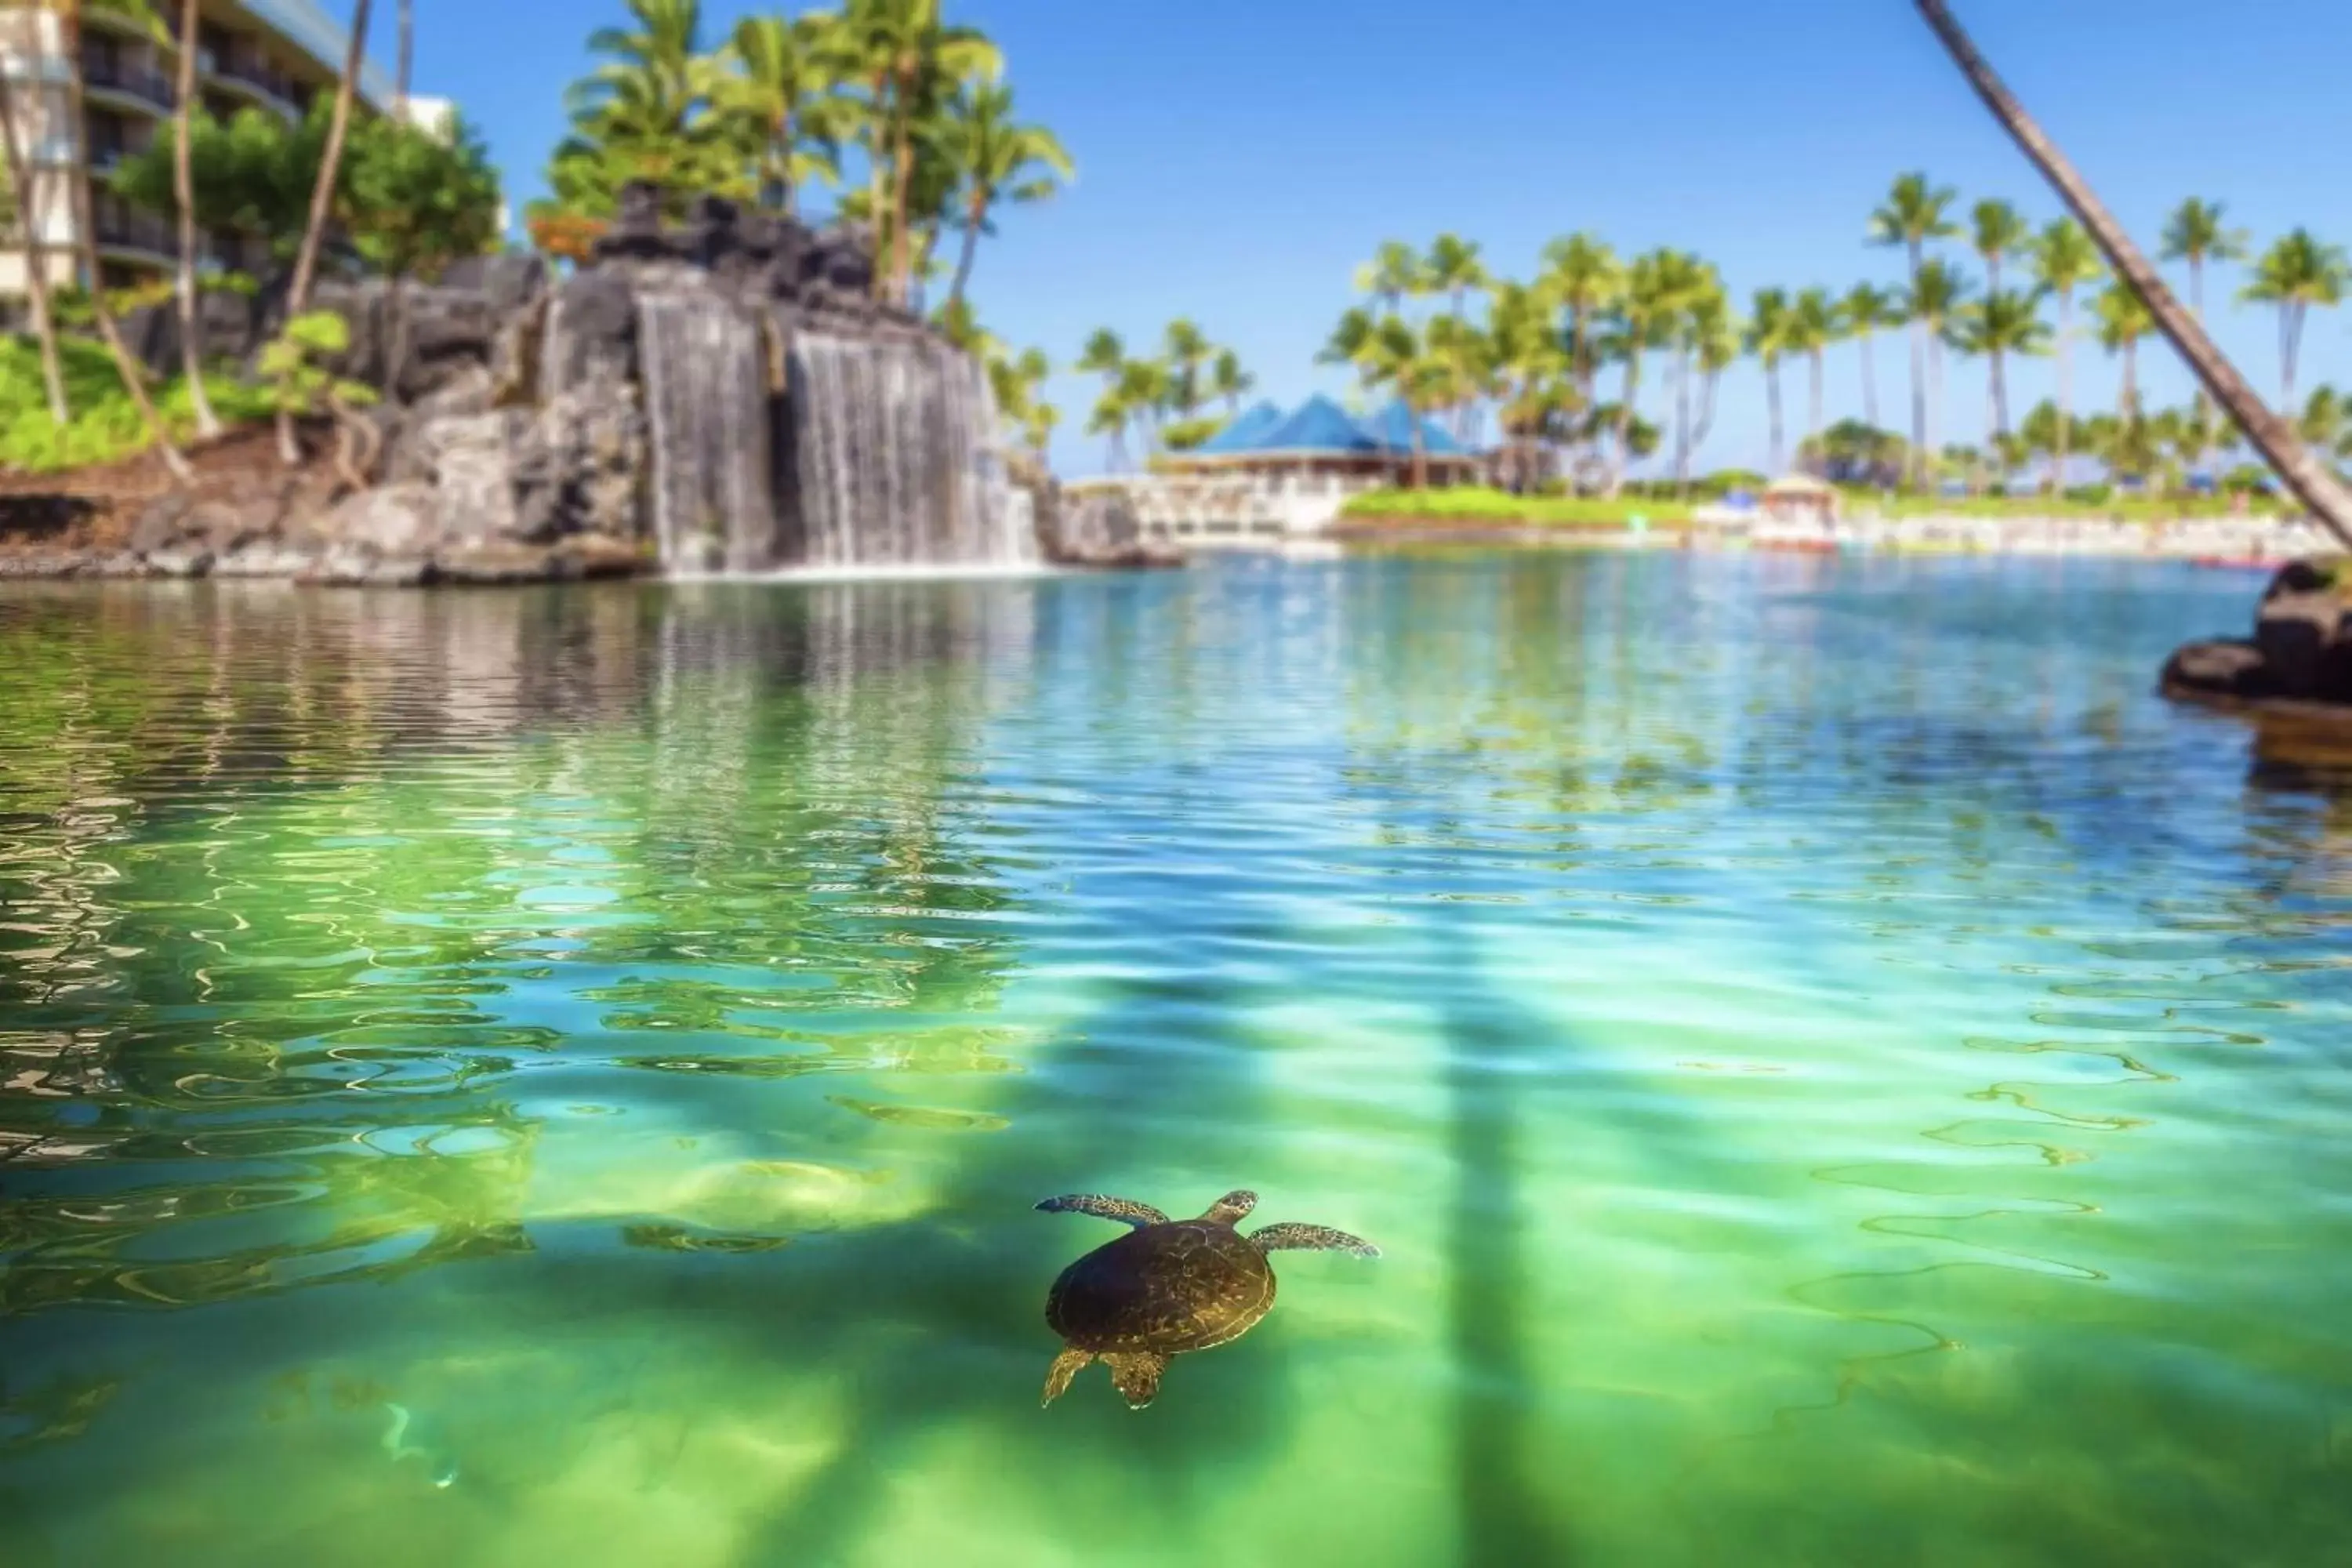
x=1166 y=1287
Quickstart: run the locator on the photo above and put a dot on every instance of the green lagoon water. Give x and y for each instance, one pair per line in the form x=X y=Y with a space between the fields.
x=1840 y=1072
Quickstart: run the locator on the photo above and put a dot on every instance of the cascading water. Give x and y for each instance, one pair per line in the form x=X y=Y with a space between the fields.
x=892 y=457
x=834 y=452
x=710 y=416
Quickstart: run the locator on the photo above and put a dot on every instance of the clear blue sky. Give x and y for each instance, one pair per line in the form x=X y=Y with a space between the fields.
x=1238 y=157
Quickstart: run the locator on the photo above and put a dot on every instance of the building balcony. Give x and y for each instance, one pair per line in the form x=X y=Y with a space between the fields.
x=141 y=234
x=271 y=88
x=121 y=86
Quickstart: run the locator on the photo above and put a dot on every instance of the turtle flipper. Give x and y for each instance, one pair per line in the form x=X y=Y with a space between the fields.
x=1068 y=1365
x=1310 y=1238
x=1138 y=1375
x=1094 y=1203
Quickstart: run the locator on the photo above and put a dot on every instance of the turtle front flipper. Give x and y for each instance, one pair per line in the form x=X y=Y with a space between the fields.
x=1310 y=1238
x=1068 y=1365
x=1138 y=1375
x=1120 y=1209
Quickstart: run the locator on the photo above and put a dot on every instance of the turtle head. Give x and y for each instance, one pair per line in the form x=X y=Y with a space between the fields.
x=1232 y=1208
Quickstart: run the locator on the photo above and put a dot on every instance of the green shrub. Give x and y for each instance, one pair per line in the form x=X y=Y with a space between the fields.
x=105 y=425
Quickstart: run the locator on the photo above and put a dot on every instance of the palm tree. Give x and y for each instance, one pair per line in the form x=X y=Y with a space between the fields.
x=1229 y=381
x=1110 y=419
x=998 y=160
x=1582 y=274
x=1812 y=327
x=2294 y=274
x=29 y=215
x=2064 y=260
x=322 y=197
x=910 y=59
x=1186 y=350
x=134 y=373
x=1644 y=305
x=184 y=196
x=1768 y=339
x=1395 y=356
x=2124 y=320
x=2004 y=322
x=1454 y=268
x=1916 y=212
x=2313 y=483
x=1103 y=353
x=1716 y=337
x=1866 y=308
x=1937 y=291
x=2197 y=234
x=1394 y=272
x=1996 y=231
x=782 y=90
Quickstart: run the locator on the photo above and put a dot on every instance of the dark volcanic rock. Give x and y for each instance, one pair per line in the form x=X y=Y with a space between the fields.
x=2300 y=654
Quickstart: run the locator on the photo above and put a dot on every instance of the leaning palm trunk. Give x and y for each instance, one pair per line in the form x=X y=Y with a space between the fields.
x=36 y=259
x=322 y=202
x=973 y=218
x=134 y=373
x=2270 y=434
x=184 y=195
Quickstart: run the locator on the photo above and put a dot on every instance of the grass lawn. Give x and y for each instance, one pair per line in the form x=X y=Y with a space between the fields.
x=1472 y=504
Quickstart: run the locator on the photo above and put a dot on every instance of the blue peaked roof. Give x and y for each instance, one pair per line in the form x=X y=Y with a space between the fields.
x=1392 y=428
x=1319 y=426
x=1242 y=435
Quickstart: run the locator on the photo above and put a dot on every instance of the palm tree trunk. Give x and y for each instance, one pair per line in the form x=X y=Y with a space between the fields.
x=184 y=195
x=1999 y=395
x=1681 y=420
x=1869 y=379
x=1420 y=457
x=37 y=255
x=902 y=182
x=2290 y=346
x=322 y=200
x=1918 y=381
x=2128 y=411
x=2066 y=390
x=134 y=373
x=1817 y=395
x=407 y=67
x=1772 y=402
x=2306 y=476
x=974 y=217
x=1624 y=431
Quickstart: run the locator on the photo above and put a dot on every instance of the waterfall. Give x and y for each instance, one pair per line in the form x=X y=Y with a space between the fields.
x=550 y=349
x=893 y=459
x=710 y=417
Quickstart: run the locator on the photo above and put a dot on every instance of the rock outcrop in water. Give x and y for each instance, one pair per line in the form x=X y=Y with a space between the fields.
x=723 y=395
x=2300 y=655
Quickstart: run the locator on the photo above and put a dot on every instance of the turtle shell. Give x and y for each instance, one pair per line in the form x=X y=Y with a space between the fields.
x=1184 y=1285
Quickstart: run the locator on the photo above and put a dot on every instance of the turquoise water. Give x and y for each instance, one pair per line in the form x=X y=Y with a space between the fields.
x=1838 y=1071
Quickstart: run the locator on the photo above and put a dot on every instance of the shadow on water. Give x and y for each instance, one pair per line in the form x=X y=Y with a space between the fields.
x=1505 y=1516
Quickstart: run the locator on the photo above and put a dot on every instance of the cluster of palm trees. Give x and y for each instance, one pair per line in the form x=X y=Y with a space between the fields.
x=1161 y=399
x=908 y=117
x=1533 y=357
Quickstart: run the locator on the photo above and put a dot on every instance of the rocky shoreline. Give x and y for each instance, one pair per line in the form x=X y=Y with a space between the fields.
x=2299 y=659
x=525 y=442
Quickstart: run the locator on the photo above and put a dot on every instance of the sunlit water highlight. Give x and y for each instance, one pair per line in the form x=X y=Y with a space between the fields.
x=1838 y=1071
